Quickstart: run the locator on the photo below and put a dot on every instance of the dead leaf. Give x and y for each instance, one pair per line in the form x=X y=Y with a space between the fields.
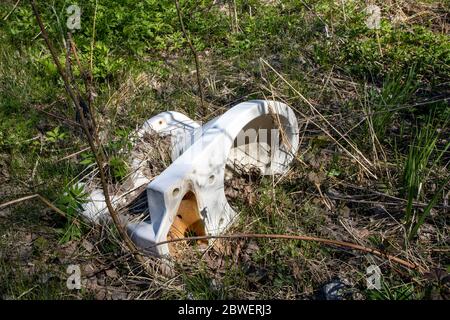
x=345 y=212
x=119 y=295
x=362 y=233
x=88 y=246
x=100 y=295
x=314 y=178
x=112 y=273
x=252 y=247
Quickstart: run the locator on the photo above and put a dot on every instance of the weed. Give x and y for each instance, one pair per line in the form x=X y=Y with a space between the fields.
x=71 y=202
x=401 y=292
x=55 y=135
x=415 y=172
x=394 y=94
x=201 y=287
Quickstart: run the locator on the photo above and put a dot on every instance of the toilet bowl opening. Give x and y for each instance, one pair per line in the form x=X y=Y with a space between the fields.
x=187 y=223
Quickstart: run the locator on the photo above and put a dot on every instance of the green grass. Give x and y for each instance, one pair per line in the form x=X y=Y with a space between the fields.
x=402 y=292
x=421 y=157
x=395 y=93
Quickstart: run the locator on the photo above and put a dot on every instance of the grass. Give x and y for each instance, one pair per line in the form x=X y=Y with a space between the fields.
x=386 y=90
x=395 y=92
x=416 y=172
x=403 y=292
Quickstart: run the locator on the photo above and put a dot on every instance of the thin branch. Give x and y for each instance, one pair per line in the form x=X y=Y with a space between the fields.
x=350 y=245
x=194 y=53
x=9 y=203
x=13 y=9
x=315 y=111
x=47 y=202
x=73 y=154
x=53 y=207
x=91 y=59
x=70 y=122
x=98 y=152
x=88 y=82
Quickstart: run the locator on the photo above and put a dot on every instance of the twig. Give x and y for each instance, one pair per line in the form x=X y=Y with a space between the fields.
x=313 y=12
x=44 y=200
x=194 y=53
x=415 y=203
x=12 y=10
x=98 y=152
x=73 y=154
x=88 y=81
x=27 y=292
x=91 y=58
x=9 y=203
x=72 y=123
x=404 y=263
x=314 y=110
x=33 y=173
x=53 y=207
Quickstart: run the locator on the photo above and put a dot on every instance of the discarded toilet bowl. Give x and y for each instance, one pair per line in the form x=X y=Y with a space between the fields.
x=188 y=197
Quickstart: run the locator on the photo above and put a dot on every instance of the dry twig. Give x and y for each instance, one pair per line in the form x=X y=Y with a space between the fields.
x=93 y=140
x=194 y=53
x=350 y=245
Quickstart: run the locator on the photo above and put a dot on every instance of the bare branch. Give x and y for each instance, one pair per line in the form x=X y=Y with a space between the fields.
x=97 y=151
x=194 y=53
x=350 y=245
